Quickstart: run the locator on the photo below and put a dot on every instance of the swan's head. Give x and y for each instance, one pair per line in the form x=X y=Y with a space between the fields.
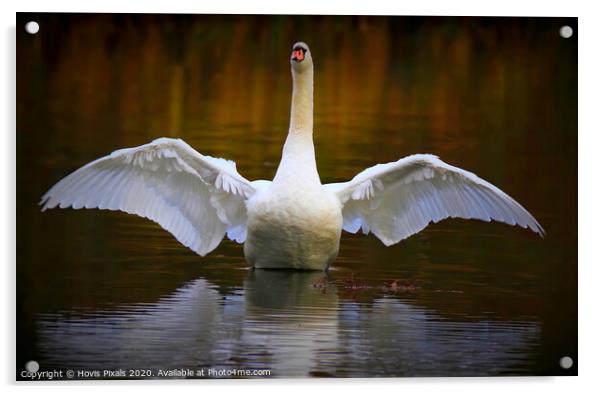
x=301 y=57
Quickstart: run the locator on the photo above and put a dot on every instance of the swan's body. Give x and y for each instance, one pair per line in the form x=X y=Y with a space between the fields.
x=293 y=221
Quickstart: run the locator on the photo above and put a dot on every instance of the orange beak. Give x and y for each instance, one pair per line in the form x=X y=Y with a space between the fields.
x=298 y=55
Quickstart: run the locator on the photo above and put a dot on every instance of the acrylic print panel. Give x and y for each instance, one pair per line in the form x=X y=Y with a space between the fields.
x=103 y=294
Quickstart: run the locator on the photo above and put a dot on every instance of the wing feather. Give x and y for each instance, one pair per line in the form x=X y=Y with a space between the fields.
x=197 y=198
x=396 y=200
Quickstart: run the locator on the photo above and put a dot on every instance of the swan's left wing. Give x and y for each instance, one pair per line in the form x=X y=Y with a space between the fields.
x=195 y=197
x=399 y=199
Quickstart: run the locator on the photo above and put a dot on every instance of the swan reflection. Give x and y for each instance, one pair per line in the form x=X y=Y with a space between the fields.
x=280 y=321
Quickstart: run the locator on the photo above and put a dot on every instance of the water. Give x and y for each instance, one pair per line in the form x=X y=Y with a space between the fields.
x=105 y=290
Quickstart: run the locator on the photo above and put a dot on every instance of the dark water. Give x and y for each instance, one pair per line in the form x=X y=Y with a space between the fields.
x=104 y=290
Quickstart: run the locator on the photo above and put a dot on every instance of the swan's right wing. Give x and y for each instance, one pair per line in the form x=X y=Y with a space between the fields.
x=396 y=200
x=196 y=198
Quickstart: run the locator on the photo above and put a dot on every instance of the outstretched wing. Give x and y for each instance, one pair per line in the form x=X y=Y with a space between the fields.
x=399 y=199
x=196 y=198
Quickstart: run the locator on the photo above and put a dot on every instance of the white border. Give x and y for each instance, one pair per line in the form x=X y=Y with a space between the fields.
x=590 y=130
x=362 y=7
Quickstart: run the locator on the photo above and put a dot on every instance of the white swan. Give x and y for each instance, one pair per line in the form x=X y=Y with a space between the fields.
x=293 y=221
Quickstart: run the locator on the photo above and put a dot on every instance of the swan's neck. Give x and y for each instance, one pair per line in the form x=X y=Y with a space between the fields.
x=302 y=105
x=298 y=157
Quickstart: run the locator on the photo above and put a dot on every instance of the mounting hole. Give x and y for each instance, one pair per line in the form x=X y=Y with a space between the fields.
x=32 y=27
x=32 y=366
x=566 y=362
x=566 y=31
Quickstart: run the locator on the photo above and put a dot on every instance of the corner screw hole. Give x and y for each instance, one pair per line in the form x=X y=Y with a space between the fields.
x=566 y=31
x=566 y=362
x=32 y=27
x=32 y=366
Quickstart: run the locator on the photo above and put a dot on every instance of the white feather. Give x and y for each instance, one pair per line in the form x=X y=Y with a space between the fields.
x=396 y=200
x=197 y=198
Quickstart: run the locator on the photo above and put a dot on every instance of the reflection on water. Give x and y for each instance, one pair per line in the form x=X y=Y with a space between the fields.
x=497 y=97
x=282 y=322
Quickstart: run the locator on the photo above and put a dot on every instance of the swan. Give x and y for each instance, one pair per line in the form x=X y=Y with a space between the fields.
x=293 y=221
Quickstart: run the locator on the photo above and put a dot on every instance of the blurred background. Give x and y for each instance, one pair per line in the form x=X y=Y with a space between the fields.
x=495 y=96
